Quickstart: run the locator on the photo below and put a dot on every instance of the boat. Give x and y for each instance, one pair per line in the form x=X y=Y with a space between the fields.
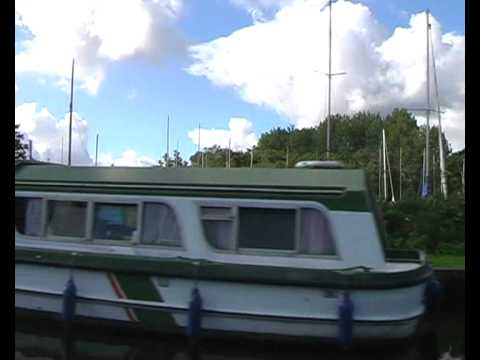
x=283 y=253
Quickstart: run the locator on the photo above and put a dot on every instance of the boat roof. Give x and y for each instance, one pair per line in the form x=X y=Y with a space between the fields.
x=32 y=172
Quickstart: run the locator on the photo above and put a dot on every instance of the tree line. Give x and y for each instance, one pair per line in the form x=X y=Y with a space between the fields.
x=356 y=141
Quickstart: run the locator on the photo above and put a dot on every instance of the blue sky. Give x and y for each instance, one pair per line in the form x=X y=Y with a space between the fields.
x=137 y=91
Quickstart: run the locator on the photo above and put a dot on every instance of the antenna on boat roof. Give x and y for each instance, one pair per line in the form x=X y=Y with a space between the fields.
x=70 y=123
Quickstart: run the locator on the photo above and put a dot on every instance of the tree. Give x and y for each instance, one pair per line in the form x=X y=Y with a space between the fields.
x=176 y=161
x=454 y=167
x=20 y=147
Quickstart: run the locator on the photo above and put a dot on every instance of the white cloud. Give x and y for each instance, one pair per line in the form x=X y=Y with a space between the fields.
x=132 y=94
x=280 y=64
x=240 y=134
x=16 y=87
x=46 y=133
x=95 y=33
x=128 y=158
x=260 y=10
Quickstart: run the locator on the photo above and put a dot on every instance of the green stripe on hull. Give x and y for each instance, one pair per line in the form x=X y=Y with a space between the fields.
x=140 y=287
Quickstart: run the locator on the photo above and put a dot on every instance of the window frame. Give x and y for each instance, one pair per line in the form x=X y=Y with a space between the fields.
x=262 y=251
x=231 y=218
x=235 y=205
x=43 y=216
x=135 y=238
x=181 y=245
x=58 y=237
x=91 y=200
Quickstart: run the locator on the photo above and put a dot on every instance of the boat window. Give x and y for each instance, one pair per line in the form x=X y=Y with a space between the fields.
x=262 y=228
x=28 y=216
x=218 y=226
x=316 y=236
x=115 y=221
x=67 y=218
x=160 y=225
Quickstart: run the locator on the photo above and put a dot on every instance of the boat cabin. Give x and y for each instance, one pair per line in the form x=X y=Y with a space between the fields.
x=302 y=217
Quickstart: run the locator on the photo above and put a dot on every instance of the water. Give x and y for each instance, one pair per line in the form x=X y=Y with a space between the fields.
x=42 y=340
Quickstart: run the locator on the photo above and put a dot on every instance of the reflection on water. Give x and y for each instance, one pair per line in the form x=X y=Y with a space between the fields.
x=42 y=340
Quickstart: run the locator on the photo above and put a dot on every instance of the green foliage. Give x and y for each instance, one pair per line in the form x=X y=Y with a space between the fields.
x=175 y=161
x=20 y=148
x=356 y=141
x=435 y=225
x=454 y=167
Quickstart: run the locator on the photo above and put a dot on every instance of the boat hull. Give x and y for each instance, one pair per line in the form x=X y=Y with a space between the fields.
x=161 y=303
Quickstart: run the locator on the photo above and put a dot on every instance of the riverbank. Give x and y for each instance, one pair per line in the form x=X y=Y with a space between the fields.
x=447 y=261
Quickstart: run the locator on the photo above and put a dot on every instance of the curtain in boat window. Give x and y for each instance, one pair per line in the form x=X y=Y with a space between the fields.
x=160 y=225
x=316 y=237
x=264 y=228
x=67 y=218
x=115 y=221
x=218 y=226
x=28 y=216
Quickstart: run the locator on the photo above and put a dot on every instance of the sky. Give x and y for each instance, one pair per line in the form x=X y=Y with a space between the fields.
x=234 y=68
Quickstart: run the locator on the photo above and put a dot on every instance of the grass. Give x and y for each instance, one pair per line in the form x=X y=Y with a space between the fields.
x=446 y=261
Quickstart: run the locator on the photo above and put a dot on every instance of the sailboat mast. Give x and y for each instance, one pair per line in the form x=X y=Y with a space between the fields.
x=329 y=78
x=96 y=152
x=390 y=174
x=176 y=156
x=427 y=146
x=384 y=166
x=168 y=141
x=286 y=160
x=443 y=177
x=199 y=154
x=380 y=172
x=70 y=124
x=400 y=180
x=423 y=171
x=229 y=154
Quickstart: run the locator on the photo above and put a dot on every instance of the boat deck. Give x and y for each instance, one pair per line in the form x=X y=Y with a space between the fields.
x=401 y=266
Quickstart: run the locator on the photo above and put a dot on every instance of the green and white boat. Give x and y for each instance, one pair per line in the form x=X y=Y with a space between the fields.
x=271 y=252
